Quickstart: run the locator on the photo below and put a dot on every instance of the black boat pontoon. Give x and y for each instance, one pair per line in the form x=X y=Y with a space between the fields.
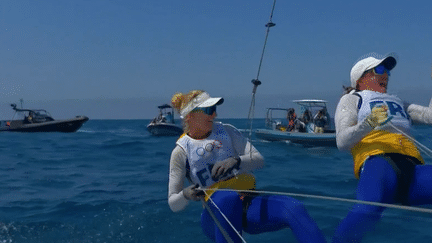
x=40 y=121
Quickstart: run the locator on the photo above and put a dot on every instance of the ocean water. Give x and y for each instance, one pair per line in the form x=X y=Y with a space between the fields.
x=108 y=183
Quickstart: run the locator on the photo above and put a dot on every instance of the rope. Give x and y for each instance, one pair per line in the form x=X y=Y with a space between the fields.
x=422 y=147
x=225 y=234
x=409 y=208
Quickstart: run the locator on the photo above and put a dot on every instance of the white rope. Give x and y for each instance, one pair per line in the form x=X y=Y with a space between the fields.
x=409 y=208
x=217 y=222
x=422 y=147
x=224 y=233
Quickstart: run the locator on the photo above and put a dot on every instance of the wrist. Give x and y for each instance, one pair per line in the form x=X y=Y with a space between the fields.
x=184 y=195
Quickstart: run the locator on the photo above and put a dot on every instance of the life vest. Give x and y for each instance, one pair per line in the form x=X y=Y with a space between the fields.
x=381 y=140
x=291 y=122
x=203 y=154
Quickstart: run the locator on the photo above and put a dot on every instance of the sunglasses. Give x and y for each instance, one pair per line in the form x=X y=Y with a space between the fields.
x=380 y=70
x=206 y=110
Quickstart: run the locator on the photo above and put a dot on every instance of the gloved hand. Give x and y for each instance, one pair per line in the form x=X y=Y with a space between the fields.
x=224 y=167
x=192 y=193
x=378 y=116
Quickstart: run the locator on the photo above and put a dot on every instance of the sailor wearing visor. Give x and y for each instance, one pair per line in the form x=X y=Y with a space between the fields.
x=372 y=124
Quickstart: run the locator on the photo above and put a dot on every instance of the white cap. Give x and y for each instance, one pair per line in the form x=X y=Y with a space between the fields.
x=370 y=61
x=202 y=100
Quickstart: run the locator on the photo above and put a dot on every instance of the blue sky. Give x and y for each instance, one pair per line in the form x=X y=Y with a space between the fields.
x=120 y=59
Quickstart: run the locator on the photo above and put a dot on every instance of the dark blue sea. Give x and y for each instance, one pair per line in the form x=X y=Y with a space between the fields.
x=108 y=183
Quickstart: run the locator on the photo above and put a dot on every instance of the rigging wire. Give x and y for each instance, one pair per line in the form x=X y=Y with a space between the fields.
x=221 y=228
x=225 y=234
x=421 y=147
x=256 y=82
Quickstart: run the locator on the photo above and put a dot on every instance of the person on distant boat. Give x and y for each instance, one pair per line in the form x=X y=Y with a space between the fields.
x=215 y=156
x=169 y=117
x=320 y=120
x=29 y=118
x=305 y=120
x=307 y=116
x=292 y=118
x=371 y=124
x=160 y=117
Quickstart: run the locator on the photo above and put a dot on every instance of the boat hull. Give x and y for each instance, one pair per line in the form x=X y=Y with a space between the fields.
x=68 y=126
x=306 y=139
x=164 y=129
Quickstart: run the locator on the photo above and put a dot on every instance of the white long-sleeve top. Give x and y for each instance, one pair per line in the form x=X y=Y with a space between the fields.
x=349 y=131
x=251 y=159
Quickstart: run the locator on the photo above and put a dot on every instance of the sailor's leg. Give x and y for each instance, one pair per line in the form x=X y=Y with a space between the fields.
x=273 y=213
x=230 y=205
x=420 y=191
x=378 y=183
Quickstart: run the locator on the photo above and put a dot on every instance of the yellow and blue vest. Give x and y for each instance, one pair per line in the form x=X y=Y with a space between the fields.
x=203 y=154
x=381 y=140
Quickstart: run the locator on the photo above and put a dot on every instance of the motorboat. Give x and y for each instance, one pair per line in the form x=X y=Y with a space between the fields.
x=164 y=124
x=282 y=124
x=39 y=120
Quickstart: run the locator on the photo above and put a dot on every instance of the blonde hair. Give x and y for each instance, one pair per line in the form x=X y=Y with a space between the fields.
x=180 y=100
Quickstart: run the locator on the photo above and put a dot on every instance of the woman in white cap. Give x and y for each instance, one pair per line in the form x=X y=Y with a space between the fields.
x=213 y=156
x=371 y=125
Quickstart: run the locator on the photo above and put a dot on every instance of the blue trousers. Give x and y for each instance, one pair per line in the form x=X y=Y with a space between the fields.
x=379 y=183
x=265 y=214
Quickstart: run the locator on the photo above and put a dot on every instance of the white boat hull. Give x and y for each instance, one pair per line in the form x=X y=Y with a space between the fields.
x=307 y=139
